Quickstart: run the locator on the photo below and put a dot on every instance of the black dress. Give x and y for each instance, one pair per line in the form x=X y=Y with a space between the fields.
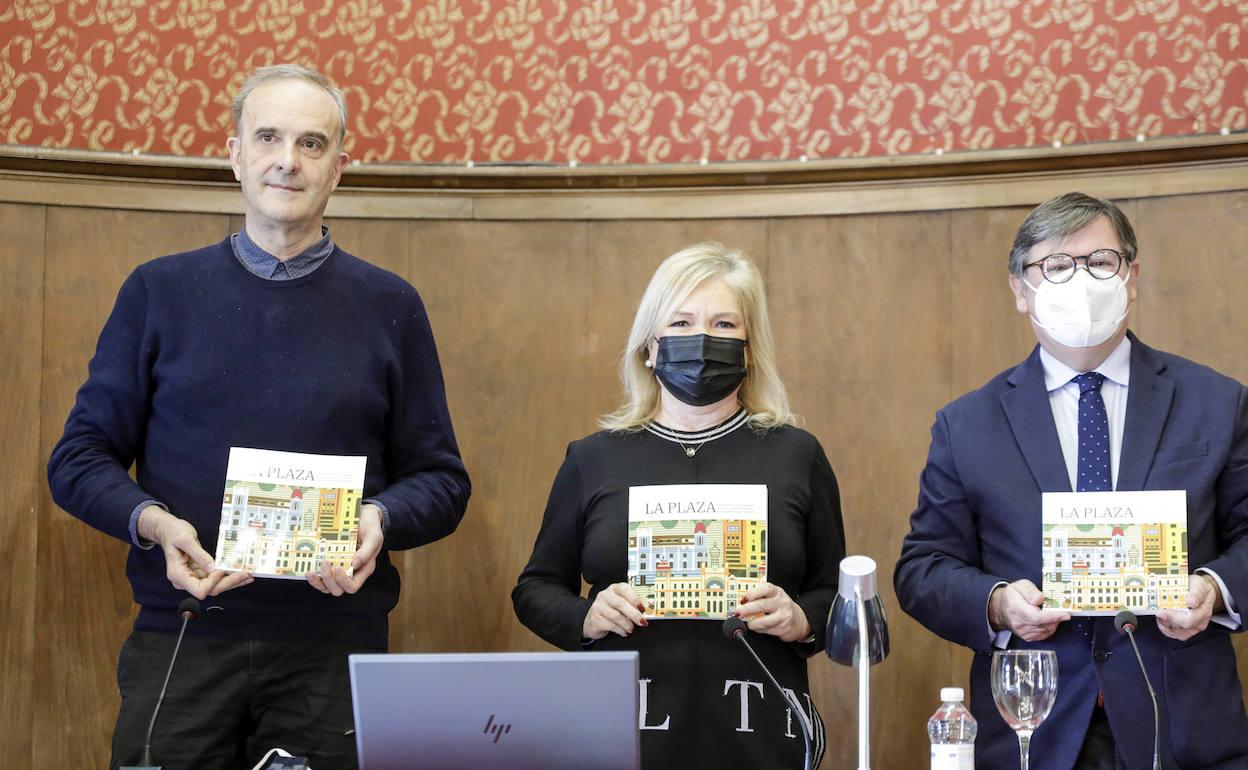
x=705 y=703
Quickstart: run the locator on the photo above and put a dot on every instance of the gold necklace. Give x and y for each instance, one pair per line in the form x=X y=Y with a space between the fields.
x=709 y=434
x=690 y=451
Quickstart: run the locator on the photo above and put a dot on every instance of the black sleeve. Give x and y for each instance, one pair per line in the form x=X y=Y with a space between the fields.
x=547 y=597
x=825 y=547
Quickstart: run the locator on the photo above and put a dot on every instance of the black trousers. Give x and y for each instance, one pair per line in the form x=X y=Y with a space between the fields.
x=231 y=701
x=1098 y=751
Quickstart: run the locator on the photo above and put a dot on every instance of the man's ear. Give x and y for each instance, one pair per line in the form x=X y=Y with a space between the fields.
x=1020 y=289
x=236 y=153
x=340 y=165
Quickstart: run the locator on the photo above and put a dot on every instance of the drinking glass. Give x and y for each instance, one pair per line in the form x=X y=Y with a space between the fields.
x=1024 y=685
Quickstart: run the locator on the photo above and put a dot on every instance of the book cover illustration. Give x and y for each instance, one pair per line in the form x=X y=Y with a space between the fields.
x=283 y=514
x=1109 y=551
x=693 y=549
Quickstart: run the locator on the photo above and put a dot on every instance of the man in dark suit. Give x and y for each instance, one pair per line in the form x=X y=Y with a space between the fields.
x=1091 y=409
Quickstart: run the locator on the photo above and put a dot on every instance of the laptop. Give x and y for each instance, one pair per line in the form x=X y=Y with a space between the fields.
x=511 y=711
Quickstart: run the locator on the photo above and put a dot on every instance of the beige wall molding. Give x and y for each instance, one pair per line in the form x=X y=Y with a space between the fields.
x=737 y=190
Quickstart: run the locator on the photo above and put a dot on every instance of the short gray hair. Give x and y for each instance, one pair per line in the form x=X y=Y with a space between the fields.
x=275 y=72
x=1063 y=216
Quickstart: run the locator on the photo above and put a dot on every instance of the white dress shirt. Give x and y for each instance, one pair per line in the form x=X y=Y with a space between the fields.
x=1064 y=400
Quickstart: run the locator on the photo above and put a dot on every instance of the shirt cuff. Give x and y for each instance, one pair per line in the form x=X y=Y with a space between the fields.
x=385 y=513
x=998 y=639
x=135 y=540
x=1230 y=618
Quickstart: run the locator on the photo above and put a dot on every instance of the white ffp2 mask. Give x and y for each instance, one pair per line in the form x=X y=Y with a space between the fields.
x=1081 y=312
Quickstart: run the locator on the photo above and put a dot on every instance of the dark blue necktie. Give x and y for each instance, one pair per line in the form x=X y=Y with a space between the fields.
x=1093 y=473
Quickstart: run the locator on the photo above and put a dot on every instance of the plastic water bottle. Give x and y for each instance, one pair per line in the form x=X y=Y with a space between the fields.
x=952 y=730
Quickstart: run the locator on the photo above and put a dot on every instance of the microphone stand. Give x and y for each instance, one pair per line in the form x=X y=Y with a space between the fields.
x=1127 y=626
x=736 y=630
x=189 y=610
x=1156 y=716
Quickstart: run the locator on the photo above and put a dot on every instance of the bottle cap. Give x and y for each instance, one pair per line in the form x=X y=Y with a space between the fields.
x=951 y=694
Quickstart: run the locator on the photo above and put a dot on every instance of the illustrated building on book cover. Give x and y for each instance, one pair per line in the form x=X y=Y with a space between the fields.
x=283 y=514
x=1108 y=551
x=693 y=549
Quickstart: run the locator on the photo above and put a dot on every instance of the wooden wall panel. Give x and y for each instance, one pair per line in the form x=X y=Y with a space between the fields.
x=1191 y=290
x=860 y=305
x=21 y=338
x=623 y=257
x=988 y=334
x=385 y=243
x=880 y=320
x=508 y=303
x=84 y=604
x=1192 y=278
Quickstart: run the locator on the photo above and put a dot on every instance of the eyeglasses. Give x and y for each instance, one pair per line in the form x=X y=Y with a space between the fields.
x=1101 y=264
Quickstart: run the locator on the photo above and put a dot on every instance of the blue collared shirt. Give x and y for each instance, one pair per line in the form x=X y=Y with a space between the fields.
x=269 y=267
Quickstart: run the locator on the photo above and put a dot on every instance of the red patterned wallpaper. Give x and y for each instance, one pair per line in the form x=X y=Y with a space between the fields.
x=608 y=81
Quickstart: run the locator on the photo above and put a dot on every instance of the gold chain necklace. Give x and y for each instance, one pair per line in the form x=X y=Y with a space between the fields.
x=690 y=451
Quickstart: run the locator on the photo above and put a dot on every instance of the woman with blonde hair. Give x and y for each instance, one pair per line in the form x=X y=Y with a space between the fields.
x=704 y=405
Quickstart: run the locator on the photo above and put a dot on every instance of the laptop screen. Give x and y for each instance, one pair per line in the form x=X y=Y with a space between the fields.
x=521 y=711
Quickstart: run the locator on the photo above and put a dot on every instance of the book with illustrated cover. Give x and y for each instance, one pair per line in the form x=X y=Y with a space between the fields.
x=283 y=514
x=1109 y=551
x=693 y=549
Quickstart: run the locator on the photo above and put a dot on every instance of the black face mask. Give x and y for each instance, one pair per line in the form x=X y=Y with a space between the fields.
x=700 y=369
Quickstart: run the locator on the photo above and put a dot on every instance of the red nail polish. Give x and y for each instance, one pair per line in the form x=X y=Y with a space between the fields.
x=742 y=600
x=641 y=607
x=643 y=623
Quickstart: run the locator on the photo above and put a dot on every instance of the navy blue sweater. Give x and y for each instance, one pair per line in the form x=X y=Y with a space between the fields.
x=200 y=355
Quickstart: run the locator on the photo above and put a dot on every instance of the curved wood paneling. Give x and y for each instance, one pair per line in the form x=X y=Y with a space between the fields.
x=727 y=190
x=747 y=174
x=881 y=318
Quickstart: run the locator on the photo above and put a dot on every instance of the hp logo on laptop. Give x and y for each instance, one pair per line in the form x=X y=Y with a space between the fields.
x=498 y=729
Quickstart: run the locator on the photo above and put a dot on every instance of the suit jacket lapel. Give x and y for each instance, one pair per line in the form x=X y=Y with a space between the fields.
x=1031 y=419
x=1148 y=405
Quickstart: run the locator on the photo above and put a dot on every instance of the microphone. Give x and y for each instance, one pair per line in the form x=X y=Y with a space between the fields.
x=188 y=610
x=735 y=628
x=1125 y=622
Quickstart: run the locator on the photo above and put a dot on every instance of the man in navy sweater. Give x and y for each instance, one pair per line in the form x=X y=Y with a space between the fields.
x=274 y=338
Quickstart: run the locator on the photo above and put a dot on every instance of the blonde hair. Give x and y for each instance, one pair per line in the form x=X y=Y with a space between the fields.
x=762 y=394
